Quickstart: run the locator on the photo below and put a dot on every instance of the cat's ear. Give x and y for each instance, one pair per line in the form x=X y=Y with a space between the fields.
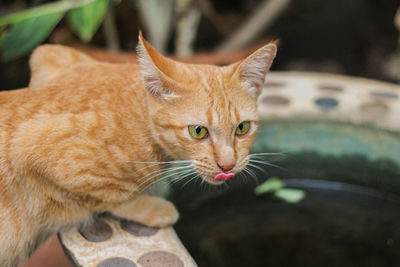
x=157 y=71
x=48 y=61
x=252 y=70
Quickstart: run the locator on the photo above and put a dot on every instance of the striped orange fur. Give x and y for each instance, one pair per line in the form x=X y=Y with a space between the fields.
x=77 y=140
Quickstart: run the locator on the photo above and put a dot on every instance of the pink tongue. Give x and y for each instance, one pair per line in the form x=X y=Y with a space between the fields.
x=224 y=176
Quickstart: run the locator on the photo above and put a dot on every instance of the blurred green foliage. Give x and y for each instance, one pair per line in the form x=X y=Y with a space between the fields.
x=86 y=20
x=22 y=31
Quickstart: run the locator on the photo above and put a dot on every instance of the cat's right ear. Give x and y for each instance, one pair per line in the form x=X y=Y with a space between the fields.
x=156 y=70
x=252 y=70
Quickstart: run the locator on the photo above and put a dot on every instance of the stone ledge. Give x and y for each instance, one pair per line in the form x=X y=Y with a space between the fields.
x=112 y=241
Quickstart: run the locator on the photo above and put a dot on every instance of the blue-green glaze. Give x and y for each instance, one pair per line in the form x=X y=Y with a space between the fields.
x=327 y=138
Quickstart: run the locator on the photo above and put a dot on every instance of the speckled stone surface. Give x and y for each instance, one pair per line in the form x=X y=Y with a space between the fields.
x=137 y=229
x=116 y=262
x=112 y=241
x=160 y=259
x=330 y=96
x=99 y=231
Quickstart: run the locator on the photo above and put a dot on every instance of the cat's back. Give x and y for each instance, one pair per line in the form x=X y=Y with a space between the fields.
x=88 y=109
x=87 y=103
x=66 y=81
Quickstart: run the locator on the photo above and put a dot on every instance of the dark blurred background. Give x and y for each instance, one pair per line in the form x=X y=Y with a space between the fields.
x=356 y=37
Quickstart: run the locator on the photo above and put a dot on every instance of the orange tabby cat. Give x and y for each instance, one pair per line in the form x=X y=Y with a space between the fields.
x=88 y=136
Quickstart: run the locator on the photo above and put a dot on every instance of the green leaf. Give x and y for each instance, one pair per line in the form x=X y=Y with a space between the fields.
x=290 y=195
x=86 y=20
x=51 y=8
x=269 y=186
x=27 y=34
x=3 y=31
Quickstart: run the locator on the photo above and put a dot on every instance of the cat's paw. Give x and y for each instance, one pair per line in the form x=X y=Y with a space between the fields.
x=162 y=214
x=148 y=210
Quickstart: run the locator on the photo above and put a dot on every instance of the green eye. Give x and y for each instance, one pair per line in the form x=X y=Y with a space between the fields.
x=242 y=128
x=198 y=132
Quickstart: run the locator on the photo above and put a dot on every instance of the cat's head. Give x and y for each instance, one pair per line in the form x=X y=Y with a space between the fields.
x=204 y=113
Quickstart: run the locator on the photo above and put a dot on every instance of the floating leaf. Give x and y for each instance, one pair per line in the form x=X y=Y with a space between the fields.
x=27 y=34
x=269 y=186
x=86 y=20
x=290 y=195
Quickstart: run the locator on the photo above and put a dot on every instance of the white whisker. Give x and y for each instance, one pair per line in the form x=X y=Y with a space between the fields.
x=267 y=154
x=257 y=167
x=158 y=173
x=155 y=163
x=184 y=176
x=165 y=178
x=252 y=174
x=266 y=163
x=191 y=179
x=161 y=162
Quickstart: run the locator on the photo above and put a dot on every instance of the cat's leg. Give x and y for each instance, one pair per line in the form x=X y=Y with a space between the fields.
x=15 y=241
x=148 y=210
x=8 y=258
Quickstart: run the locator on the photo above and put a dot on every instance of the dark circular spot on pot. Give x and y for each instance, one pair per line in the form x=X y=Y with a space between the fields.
x=116 y=262
x=98 y=231
x=275 y=100
x=384 y=95
x=137 y=229
x=160 y=259
x=330 y=88
x=326 y=103
x=274 y=85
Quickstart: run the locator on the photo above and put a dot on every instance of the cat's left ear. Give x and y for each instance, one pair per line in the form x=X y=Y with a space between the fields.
x=158 y=71
x=252 y=70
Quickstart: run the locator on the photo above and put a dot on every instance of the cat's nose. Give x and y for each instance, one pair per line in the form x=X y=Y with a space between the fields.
x=226 y=167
